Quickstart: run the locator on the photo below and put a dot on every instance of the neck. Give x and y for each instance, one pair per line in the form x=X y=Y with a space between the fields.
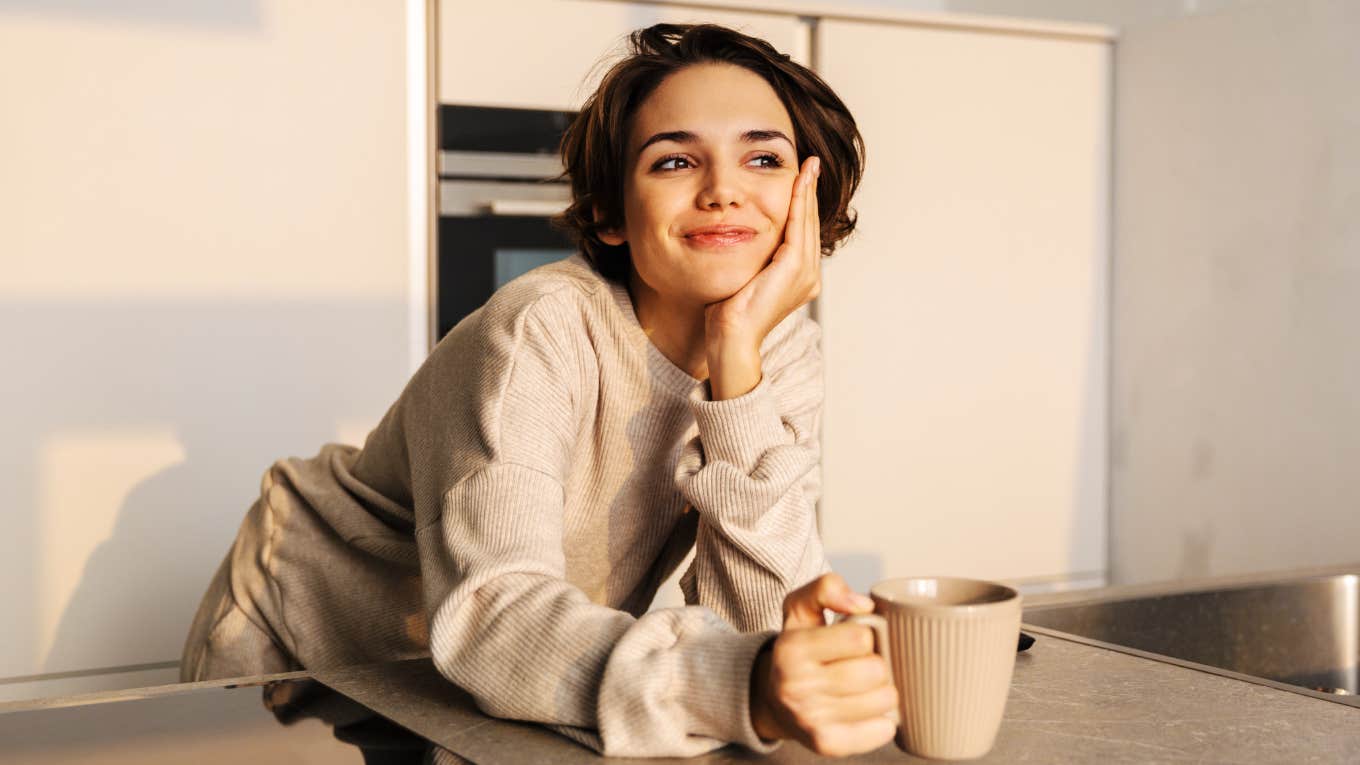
x=675 y=327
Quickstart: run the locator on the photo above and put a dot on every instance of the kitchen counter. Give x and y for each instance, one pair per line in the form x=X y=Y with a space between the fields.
x=1070 y=701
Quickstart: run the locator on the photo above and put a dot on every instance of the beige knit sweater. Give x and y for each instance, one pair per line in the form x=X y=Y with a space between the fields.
x=542 y=473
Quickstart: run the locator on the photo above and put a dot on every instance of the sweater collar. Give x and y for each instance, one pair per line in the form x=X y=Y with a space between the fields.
x=670 y=376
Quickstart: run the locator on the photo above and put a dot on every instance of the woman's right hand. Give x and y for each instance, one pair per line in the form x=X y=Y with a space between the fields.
x=823 y=685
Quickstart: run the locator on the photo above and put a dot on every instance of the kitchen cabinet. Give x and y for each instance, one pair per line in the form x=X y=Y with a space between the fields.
x=966 y=321
x=543 y=54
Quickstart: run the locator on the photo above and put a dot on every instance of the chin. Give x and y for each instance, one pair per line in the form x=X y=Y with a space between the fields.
x=713 y=290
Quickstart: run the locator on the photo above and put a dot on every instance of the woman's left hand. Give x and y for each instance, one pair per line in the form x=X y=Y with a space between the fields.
x=734 y=328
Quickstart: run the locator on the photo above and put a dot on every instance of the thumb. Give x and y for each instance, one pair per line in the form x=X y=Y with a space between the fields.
x=803 y=607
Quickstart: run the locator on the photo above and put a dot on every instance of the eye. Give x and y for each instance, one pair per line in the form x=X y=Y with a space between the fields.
x=671 y=158
x=775 y=160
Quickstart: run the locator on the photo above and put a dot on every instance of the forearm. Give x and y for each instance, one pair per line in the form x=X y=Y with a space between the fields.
x=754 y=477
x=744 y=574
x=670 y=683
x=507 y=626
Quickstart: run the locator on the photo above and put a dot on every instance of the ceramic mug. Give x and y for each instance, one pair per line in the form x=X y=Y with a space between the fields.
x=951 y=645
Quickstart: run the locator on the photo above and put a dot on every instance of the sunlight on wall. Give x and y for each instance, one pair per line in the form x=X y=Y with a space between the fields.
x=353 y=432
x=84 y=479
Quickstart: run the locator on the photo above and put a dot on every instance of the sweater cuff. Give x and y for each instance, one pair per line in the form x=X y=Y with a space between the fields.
x=739 y=430
x=715 y=682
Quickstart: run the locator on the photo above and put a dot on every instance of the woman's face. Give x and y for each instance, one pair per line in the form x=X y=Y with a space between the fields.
x=711 y=147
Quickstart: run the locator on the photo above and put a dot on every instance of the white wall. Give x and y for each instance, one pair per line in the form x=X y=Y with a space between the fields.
x=203 y=268
x=1236 y=399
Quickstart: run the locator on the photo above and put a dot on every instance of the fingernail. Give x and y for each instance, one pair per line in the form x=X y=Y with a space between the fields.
x=863 y=601
x=816 y=165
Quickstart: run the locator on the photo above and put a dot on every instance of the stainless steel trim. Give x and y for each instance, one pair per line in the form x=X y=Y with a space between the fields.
x=471 y=198
x=544 y=208
x=432 y=173
x=488 y=164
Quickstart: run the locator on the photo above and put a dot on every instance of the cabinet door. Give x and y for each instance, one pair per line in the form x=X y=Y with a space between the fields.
x=965 y=324
x=542 y=54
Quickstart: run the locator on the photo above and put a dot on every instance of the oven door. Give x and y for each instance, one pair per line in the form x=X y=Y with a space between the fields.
x=479 y=254
x=498 y=186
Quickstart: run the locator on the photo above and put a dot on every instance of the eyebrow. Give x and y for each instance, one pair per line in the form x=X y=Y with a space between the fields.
x=685 y=136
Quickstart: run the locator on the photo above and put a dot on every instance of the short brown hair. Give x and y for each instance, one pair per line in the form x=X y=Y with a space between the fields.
x=595 y=145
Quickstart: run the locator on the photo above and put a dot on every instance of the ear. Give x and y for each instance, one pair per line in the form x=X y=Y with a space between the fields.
x=612 y=237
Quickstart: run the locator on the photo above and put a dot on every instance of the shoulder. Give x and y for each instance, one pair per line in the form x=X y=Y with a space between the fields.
x=547 y=306
x=557 y=288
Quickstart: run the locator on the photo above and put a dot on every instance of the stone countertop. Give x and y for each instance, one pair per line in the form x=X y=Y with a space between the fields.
x=1069 y=702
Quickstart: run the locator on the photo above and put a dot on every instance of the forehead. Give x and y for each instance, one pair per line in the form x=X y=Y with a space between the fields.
x=715 y=101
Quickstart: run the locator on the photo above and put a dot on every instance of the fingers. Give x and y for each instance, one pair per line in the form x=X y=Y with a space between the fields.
x=861 y=674
x=803 y=607
x=825 y=684
x=812 y=223
x=811 y=237
x=846 y=640
x=795 y=226
x=842 y=739
x=879 y=701
x=823 y=704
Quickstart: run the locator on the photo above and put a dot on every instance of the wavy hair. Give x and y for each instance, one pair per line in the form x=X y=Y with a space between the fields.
x=595 y=144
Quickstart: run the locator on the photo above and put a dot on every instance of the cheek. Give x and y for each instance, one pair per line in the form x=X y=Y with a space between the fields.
x=776 y=204
x=650 y=209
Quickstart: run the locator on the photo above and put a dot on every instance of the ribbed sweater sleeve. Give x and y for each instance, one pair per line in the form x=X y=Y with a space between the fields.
x=505 y=622
x=753 y=473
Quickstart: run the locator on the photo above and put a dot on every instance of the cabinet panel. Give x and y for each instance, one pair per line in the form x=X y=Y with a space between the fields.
x=965 y=323
x=542 y=54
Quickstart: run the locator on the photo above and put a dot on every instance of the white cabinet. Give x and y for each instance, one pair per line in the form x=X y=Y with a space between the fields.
x=542 y=54
x=965 y=324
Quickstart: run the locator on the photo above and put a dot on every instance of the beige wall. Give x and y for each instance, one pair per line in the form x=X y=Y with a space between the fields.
x=204 y=268
x=1236 y=399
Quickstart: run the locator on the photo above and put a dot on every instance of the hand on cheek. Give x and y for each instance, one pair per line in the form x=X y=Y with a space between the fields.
x=734 y=328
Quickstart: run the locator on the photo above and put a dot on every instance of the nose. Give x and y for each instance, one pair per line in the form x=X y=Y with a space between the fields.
x=721 y=188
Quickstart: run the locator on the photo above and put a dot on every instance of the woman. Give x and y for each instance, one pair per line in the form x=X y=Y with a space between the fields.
x=564 y=447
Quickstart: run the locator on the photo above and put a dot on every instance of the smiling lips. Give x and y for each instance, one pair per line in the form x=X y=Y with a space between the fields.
x=719 y=236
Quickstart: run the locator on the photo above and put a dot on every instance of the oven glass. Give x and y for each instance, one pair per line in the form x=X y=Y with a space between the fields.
x=479 y=255
x=511 y=263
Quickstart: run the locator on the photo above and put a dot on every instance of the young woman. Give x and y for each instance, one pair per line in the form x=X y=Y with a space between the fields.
x=564 y=447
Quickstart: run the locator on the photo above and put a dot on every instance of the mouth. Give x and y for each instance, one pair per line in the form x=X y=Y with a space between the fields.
x=719 y=236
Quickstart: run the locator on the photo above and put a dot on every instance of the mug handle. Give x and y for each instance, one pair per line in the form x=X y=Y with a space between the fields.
x=879 y=625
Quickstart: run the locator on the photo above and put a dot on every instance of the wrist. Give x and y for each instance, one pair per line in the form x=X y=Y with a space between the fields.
x=733 y=368
x=762 y=717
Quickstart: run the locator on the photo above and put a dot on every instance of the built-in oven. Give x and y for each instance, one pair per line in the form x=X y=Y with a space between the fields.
x=495 y=198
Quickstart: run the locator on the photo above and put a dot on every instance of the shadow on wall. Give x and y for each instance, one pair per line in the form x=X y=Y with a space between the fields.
x=202 y=397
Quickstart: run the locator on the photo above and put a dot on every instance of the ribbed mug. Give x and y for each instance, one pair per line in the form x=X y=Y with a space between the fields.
x=951 y=644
